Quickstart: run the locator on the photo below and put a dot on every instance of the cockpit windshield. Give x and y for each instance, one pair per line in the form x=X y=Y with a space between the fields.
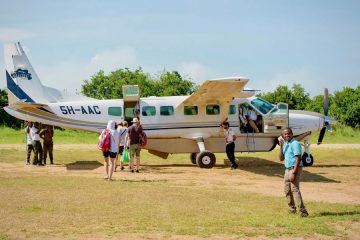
x=262 y=105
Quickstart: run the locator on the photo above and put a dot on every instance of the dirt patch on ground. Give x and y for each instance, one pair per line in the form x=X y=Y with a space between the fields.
x=317 y=185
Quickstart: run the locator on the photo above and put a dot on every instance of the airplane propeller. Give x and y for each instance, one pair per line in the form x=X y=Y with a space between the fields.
x=326 y=118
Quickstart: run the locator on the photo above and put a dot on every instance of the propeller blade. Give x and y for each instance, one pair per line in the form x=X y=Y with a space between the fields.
x=328 y=126
x=326 y=101
x=329 y=119
x=321 y=136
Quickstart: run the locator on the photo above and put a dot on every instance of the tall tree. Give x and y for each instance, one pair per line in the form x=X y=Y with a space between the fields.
x=5 y=118
x=103 y=86
x=300 y=98
x=346 y=106
x=281 y=94
x=172 y=84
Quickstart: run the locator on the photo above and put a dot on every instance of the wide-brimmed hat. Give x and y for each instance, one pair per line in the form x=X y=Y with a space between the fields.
x=135 y=120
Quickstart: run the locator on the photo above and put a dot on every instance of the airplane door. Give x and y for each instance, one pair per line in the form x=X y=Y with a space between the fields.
x=277 y=119
x=131 y=95
x=251 y=124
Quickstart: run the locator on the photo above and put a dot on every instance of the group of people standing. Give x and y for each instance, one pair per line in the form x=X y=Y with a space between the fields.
x=121 y=137
x=34 y=133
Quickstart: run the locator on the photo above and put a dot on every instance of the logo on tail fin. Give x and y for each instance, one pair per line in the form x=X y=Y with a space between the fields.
x=20 y=73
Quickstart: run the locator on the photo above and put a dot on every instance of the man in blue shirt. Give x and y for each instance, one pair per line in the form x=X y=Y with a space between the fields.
x=290 y=151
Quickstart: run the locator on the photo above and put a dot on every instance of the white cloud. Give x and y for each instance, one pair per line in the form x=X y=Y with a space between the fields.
x=70 y=74
x=308 y=79
x=111 y=60
x=197 y=71
x=13 y=35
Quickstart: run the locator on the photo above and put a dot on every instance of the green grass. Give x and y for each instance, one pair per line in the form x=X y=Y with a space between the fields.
x=169 y=198
x=72 y=206
x=9 y=135
x=340 y=134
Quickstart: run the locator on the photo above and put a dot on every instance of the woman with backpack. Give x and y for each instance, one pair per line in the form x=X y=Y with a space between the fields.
x=108 y=144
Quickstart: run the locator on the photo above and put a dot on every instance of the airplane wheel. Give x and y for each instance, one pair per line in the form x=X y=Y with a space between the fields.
x=193 y=158
x=307 y=159
x=205 y=159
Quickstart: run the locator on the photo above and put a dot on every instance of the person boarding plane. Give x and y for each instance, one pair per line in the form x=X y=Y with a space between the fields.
x=173 y=124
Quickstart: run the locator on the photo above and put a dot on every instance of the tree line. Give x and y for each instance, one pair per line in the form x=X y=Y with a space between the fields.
x=344 y=105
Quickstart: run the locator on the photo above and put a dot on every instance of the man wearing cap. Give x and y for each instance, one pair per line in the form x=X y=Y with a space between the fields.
x=290 y=151
x=132 y=140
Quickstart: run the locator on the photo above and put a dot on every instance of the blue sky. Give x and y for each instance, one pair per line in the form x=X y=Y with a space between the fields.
x=314 y=43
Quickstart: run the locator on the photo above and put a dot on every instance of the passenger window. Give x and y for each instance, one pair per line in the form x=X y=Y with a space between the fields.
x=212 y=109
x=190 y=110
x=114 y=111
x=166 y=110
x=148 y=111
x=232 y=109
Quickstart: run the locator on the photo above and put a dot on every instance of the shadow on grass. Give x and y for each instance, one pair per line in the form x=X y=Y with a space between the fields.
x=275 y=169
x=351 y=213
x=83 y=165
x=141 y=180
x=249 y=164
x=335 y=165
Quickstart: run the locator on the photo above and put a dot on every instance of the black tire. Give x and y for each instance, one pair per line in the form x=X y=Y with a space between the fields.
x=193 y=158
x=307 y=160
x=206 y=159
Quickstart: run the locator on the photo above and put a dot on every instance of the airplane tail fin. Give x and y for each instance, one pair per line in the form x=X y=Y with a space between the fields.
x=23 y=84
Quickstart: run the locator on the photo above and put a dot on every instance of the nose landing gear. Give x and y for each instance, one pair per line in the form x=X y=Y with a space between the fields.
x=307 y=159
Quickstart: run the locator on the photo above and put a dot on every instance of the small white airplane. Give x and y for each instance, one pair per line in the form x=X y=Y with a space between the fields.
x=174 y=124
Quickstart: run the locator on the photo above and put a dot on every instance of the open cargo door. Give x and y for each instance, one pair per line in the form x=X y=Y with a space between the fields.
x=131 y=96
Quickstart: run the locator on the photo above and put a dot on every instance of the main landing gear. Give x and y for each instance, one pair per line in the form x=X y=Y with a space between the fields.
x=307 y=159
x=204 y=159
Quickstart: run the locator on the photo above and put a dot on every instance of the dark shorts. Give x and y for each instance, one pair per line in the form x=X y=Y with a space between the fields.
x=121 y=149
x=111 y=154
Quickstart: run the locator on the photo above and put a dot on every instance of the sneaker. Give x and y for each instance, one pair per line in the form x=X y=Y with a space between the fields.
x=137 y=171
x=132 y=170
x=304 y=214
x=234 y=167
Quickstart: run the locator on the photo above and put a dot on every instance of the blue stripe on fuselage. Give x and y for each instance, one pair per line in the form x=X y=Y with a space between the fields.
x=16 y=90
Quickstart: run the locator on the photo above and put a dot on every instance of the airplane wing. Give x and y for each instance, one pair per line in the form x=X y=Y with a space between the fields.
x=38 y=108
x=217 y=91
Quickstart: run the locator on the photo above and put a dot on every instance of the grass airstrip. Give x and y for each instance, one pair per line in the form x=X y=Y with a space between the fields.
x=173 y=199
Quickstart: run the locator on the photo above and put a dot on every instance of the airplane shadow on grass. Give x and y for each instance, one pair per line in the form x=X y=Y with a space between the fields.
x=254 y=165
x=83 y=165
x=275 y=169
x=250 y=164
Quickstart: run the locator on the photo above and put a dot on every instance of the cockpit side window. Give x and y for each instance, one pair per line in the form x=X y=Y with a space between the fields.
x=262 y=105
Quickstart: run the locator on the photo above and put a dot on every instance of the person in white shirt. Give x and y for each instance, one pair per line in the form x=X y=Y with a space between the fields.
x=122 y=134
x=230 y=144
x=38 y=153
x=250 y=116
x=29 y=142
